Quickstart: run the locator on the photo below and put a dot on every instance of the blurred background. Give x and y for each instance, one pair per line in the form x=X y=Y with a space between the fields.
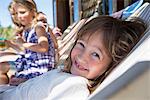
x=62 y=13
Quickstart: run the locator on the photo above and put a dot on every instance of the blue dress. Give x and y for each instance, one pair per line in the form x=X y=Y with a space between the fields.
x=32 y=64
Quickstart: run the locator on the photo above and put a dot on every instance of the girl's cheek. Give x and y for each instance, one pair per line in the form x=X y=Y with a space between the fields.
x=73 y=53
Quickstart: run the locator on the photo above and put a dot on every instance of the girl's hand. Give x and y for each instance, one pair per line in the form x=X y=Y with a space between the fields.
x=7 y=42
x=3 y=45
x=19 y=39
x=41 y=24
x=16 y=81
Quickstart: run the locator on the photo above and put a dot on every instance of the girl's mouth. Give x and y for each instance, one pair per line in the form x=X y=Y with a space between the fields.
x=80 y=67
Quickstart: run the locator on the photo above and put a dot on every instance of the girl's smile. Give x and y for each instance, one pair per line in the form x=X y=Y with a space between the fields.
x=79 y=66
x=90 y=58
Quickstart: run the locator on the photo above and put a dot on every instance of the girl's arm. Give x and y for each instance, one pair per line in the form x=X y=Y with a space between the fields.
x=4 y=53
x=13 y=45
x=42 y=45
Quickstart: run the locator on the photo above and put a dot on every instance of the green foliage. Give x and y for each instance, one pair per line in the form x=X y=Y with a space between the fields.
x=6 y=33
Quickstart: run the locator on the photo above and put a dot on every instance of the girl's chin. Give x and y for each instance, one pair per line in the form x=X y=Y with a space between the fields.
x=74 y=71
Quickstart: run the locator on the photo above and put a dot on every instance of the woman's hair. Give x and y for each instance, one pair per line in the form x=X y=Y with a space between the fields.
x=119 y=37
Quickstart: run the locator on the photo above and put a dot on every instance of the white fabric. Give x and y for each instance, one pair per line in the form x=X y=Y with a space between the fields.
x=6 y=58
x=53 y=85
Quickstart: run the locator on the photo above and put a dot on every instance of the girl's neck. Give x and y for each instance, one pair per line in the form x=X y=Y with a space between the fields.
x=27 y=27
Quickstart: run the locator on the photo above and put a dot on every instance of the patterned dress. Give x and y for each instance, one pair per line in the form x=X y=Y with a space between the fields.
x=32 y=64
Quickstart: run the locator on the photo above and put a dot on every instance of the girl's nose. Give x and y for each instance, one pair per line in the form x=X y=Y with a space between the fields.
x=19 y=16
x=82 y=58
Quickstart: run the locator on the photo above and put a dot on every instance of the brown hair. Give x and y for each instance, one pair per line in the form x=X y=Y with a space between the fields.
x=44 y=19
x=18 y=26
x=30 y=4
x=119 y=37
x=13 y=13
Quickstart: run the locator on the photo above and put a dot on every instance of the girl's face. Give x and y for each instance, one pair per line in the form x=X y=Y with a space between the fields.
x=89 y=57
x=25 y=16
x=42 y=18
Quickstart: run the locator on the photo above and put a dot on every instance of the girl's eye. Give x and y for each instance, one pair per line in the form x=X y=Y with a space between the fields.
x=96 y=55
x=22 y=12
x=80 y=44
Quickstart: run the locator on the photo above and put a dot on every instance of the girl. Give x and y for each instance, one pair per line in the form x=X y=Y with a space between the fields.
x=12 y=9
x=39 y=48
x=18 y=29
x=42 y=20
x=41 y=17
x=101 y=44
